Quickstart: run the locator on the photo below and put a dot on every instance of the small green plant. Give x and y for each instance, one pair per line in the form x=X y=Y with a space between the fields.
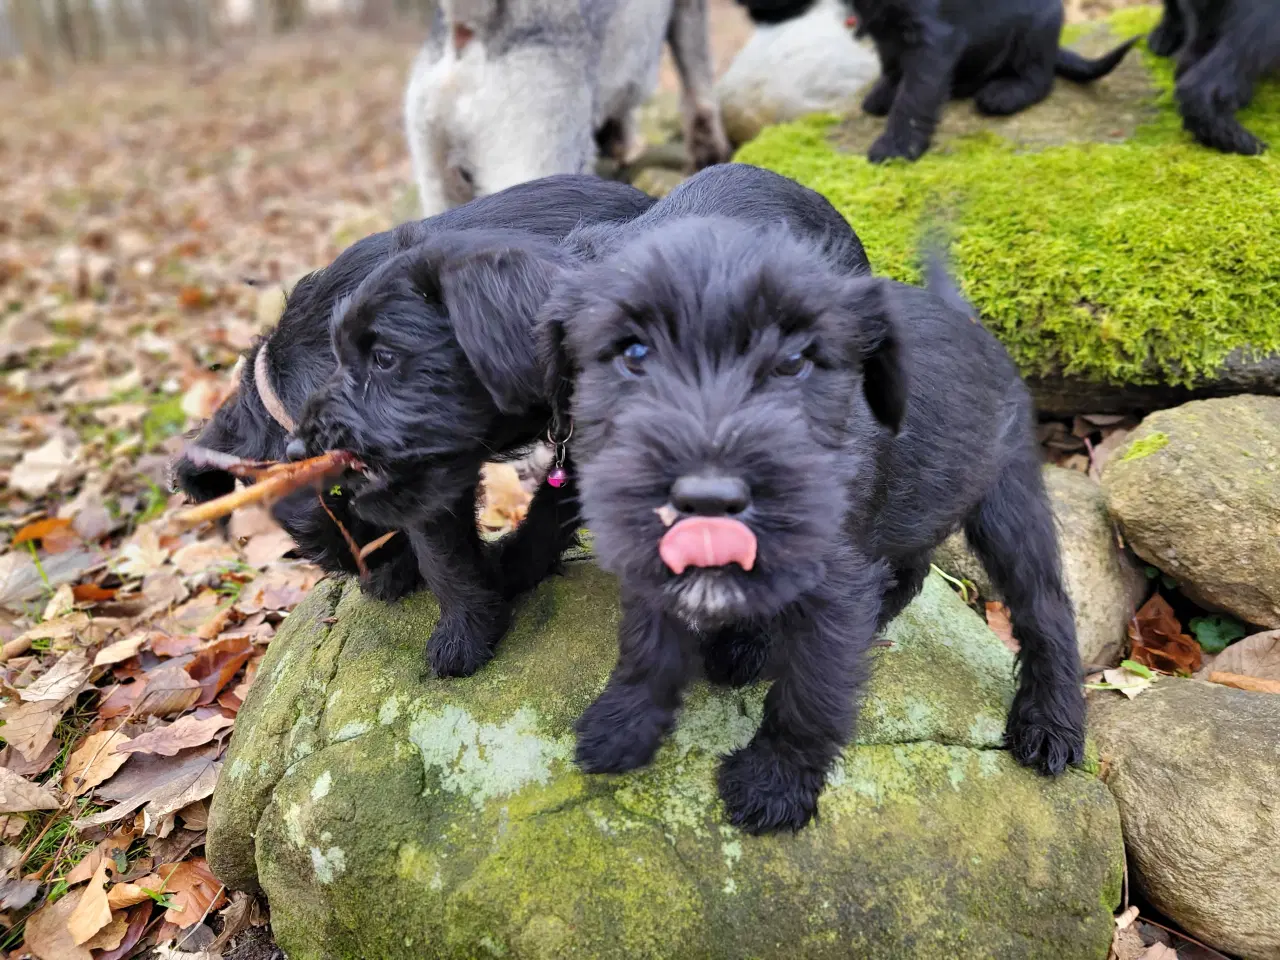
x=1146 y=446
x=1215 y=634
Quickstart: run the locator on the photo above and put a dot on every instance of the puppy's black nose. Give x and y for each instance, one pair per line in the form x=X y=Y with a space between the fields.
x=296 y=450
x=710 y=495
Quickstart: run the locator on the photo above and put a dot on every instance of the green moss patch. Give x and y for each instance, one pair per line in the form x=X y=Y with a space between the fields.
x=1146 y=446
x=1146 y=261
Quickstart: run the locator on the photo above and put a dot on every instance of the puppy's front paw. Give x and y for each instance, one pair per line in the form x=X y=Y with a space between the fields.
x=1046 y=729
x=459 y=645
x=620 y=731
x=888 y=147
x=705 y=139
x=762 y=794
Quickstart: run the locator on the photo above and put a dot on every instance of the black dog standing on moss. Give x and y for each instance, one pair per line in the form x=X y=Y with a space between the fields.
x=295 y=358
x=769 y=450
x=1003 y=53
x=1224 y=47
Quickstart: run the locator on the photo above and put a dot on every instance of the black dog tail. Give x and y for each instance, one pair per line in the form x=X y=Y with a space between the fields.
x=940 y=282
x=1080 y=69
x=775 y=11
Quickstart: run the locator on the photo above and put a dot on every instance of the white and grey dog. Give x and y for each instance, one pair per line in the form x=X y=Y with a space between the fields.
x=506 y=91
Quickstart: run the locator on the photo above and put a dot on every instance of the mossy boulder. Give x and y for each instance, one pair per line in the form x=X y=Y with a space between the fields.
x=1197 y=494
x=1103 y=581
x=1123 y=265
x=387 y=815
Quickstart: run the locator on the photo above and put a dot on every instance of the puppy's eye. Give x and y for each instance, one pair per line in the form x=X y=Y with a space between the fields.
x=795 y=367
x=630 y=362
x=384 y=359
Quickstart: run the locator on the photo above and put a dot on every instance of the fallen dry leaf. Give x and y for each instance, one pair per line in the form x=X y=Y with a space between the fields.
x=65 y=678
x=183 y=733
x=1001 y=626
x=1257 y=656
x=1252 y=684
x=1158 y=640
x=175 y=646
x=40 y=529
x=164 y=784
x=40 y=469
x=141 y=554
x=138 y=920
x=18 y=795
x=112 y=935
x=29 y=727
x=96 y=759
x=47 y=935
x=1160 y=951
x=60 y=604
x=267 y=548
x=16 y=894
x=196 y=891
x=106 y=850
x=1126 y=681
x=92 y=912
x=204 y=555
x=215 y=665
x=169 y=690
x=120 y=651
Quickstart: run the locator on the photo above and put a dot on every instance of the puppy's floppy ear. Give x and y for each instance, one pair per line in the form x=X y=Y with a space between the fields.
x=884 y=375
x=553 y=351
x=492 y=297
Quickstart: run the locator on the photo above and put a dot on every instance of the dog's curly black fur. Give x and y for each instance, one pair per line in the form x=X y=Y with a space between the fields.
x=850 y=409
x=301 y=359
x=1003 y=53
x=1223 y=48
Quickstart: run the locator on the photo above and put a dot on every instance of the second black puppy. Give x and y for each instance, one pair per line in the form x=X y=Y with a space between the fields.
x=1003 y=53
x=769 y=450
x=294 y=359
x=1224 y=48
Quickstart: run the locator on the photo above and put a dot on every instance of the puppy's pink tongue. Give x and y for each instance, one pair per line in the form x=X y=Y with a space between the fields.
x=708 y=542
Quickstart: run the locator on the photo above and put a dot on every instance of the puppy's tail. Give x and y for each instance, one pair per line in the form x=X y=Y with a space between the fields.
x=939 y=281
x=1078 y=69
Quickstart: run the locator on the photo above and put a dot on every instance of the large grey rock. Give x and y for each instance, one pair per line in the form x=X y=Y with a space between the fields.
x=1195 y=767
x=1104 y=582
x=390 y=816
x=1197 y=493
x=811 y=64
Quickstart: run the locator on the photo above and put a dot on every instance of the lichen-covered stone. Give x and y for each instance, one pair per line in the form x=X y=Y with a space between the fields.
x=1197 y=493
x=1194 y=767
x=390 y=815
x=1105 y=248
x=1104 y=583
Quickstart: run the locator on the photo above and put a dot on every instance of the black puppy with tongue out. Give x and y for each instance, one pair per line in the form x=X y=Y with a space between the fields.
x=769 y=446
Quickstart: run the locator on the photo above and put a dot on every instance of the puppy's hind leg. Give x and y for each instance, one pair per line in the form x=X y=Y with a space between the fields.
x=1171 y=33
x=473 y=614
x=1208 y=95
x=1028 y=77
x=704 y=136
x=1012 y=532
x=879 y=99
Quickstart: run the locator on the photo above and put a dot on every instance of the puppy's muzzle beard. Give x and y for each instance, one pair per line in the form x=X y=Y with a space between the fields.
x=708 y=598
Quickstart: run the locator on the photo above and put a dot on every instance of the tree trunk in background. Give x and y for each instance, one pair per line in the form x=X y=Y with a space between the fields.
x=124 y=35
x=29 y=28
x=87 y=29
x=277 y=16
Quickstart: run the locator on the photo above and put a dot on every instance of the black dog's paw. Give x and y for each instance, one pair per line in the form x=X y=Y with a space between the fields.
x=761 y=794
x=888 y=147
x=732 y=658
x=1166 y=39
x=879 y=100
x=459 y=646
x=619 y=732
x=1047 y=731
